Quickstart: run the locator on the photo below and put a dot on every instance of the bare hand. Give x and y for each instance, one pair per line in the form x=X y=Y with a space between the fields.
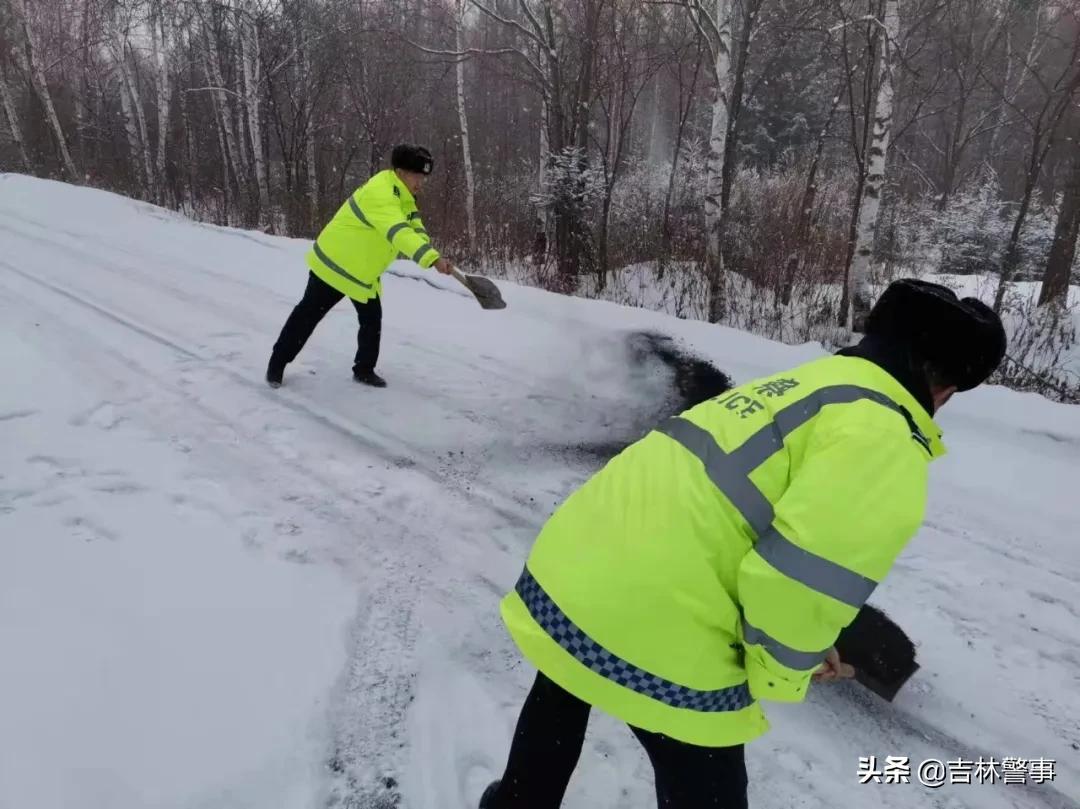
x=833 y=668
x=444 y=266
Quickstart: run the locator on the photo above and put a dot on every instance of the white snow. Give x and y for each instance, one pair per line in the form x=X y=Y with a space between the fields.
x=217 y=595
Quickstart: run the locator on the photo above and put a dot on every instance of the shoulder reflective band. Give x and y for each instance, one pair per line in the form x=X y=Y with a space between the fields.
x=423 y=251
x=595 y=657
x=358 y=213
x=325 y=259
x=725 y=471
x=730 y=473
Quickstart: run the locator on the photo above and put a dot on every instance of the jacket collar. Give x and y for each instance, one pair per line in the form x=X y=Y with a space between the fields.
x=907 y=387
x=403 y=190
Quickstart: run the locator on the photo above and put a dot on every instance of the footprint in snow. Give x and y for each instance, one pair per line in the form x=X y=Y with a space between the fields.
x=103 y=415
x=12 y=415
x=297 y=556
x=89 y=531
x=288 y=528
x=120 y=487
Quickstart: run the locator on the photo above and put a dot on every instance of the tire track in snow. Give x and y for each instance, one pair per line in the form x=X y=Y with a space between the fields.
x=376 y=689
x=899 y=727
x=390 y=449
x=130 y=272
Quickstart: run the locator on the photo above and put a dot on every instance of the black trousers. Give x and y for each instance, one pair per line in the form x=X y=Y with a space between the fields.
x=547 y=744
x=319 y=298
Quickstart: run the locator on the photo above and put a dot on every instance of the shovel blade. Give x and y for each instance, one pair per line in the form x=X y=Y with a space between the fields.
x=880 y=651
x=485 y=291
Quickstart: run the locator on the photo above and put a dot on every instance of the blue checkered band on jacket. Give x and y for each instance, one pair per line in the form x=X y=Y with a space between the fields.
x=594 y=656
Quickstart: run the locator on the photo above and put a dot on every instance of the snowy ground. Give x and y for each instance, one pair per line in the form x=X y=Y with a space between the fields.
x=217 y=595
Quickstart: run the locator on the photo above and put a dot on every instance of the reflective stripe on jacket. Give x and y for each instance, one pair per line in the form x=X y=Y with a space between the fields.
x=714 y=562
x=376 y=225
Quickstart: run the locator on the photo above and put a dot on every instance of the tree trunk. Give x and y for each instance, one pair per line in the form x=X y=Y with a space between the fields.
x=136 y=121
x=1042 y=142
x=187 y=192
x=223 y=108
x=1059 y=264
x=252 y=69
x=953 y=152
x=311 y=158
x=470 y=187
x=859 y=289
x=575 y=248
x=750 y=11
x=81 y=89
x=251 y=195
x=540 y=240
x=684 y=114
x=160 y=44
x=130 y=128
x=131 y=104
x=714 y=165
x=13 y=119
x=806 y=209
x=32 y=66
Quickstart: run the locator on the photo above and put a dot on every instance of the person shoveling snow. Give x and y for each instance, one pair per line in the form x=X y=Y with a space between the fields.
x=376 y=225
x=714 y=563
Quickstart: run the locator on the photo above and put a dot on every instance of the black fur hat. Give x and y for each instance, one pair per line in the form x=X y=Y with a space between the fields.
x=412 y=158
x=963 y=339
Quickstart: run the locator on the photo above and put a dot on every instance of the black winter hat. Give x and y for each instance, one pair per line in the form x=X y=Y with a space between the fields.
x=412 y=158
x=964 y=339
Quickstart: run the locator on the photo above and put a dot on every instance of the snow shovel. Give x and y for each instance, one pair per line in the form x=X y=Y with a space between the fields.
x=487 y=294
x=881 y=653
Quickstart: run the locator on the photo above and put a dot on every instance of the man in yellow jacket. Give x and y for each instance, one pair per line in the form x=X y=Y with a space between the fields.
x=379 y=223
x=714 y=563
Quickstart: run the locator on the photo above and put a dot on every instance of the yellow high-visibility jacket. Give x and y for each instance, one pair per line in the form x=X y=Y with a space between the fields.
x=714 y=562
x=377 y=224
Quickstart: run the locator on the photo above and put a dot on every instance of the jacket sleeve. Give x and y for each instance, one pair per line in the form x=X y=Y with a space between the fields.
x=383 y=212
x=416 y=223
x=856 y=500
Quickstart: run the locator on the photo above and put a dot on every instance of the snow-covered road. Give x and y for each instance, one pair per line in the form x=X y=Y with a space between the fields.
x=217 y=595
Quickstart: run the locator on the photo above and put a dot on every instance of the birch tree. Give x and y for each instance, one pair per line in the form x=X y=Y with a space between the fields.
x=160 y=45
x=308 y=83
x=466 y=151
x=12 y=116
x=248 y=33
x=30 y=61
x=715 y=30
x=131 y=101
x=221 y=99
x=858 y=292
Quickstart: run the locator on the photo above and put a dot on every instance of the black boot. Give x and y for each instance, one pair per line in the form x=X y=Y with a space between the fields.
x=487 y=800
x=369 y=378
x=275 y=372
